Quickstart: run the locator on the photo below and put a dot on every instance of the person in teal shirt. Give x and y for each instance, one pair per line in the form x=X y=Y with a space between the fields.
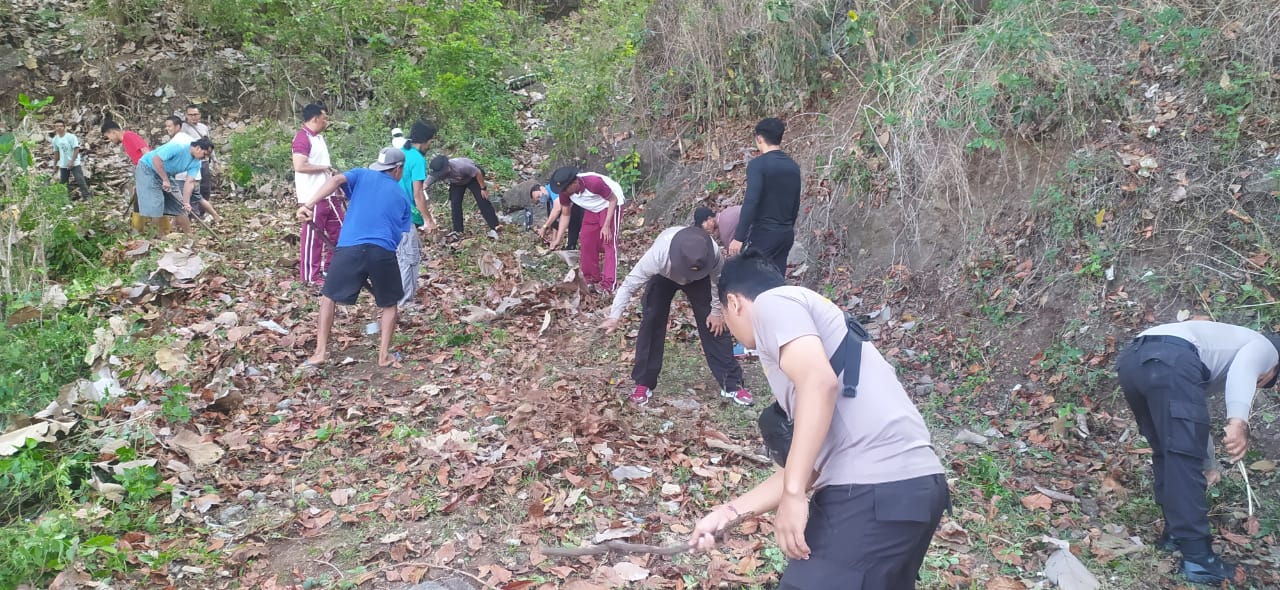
x=155 y=174
x=66 y=152
x=409 y=252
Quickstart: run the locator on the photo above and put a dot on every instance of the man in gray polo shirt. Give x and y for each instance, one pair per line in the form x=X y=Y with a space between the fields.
x=878 y=487
x=1167 y=374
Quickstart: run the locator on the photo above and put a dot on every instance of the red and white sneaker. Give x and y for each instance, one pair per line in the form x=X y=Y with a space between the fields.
x=741 y=397
x=641 y=395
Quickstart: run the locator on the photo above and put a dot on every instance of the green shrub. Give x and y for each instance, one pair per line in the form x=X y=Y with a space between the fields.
x=585 y=77
x=40 y=356
x=261 y=149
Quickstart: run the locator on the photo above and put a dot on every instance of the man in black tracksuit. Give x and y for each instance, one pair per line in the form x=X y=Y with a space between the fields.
x=1167 y=374
x=769 y=211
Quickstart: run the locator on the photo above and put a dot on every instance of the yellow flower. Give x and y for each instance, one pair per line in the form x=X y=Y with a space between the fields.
x=853 y=16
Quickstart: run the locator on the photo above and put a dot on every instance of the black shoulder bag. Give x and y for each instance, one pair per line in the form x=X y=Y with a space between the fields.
x=777 y=428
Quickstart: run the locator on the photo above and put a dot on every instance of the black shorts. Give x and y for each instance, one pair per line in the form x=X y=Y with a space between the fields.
x=869 y=537
x=361 y=266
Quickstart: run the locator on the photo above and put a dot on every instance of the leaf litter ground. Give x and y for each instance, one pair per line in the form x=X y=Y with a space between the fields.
x=507 y=428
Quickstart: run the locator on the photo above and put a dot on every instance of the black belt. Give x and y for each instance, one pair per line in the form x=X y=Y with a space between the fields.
x=1174 y=340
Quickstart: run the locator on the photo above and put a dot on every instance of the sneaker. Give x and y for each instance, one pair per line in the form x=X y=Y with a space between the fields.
x=741 y=397
x=1166 y=543
x=1208 y=570
x=641 y=395
x=493 y=234
x=739 y=351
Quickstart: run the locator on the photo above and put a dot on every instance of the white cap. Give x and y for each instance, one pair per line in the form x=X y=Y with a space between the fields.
x=397 y=132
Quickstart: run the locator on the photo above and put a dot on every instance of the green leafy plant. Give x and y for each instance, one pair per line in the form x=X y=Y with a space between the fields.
x=626 y=170
x=174 y=405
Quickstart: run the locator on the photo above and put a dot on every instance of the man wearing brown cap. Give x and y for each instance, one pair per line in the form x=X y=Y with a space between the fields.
x=683 y=258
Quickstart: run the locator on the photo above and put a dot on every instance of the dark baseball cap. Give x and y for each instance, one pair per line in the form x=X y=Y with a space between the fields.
x=562 y=177
x=701 y=215
x=691 y=255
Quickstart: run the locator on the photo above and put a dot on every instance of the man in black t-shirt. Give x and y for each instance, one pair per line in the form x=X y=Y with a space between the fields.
x=772 y=203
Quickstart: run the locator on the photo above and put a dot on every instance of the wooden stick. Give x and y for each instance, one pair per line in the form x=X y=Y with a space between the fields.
x=1248 y=489
x=427 y=565
x=634 y=548
x=716 y=443
x=1059 y=496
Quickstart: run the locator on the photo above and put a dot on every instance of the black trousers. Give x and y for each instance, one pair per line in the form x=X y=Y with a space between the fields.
x=774 y=243
x=656 y=307
x=869 y=536
x=206 y=179
x=575 y=224
x=456 y=191
x=1164 y=383
x=81 y=187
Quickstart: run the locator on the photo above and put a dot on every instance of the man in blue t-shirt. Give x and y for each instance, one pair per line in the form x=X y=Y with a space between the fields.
x=155 y=177
x=409 y=252
x=377 y=218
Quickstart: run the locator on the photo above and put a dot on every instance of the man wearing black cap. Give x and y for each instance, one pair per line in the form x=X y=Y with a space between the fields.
x=683 y=258
x=377 y=217
x=720 y=225
x=772 y=202
x=462 y=175
x=601 y=200
x=1167 y=374
x=409 y=253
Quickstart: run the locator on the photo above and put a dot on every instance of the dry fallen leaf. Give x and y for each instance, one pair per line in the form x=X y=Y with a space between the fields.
x=201 y=453
x=1037 y=501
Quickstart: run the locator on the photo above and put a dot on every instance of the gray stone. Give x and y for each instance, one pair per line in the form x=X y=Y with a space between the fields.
x=309 y=495
x=971 y=437
x=516 y=198
x=798 y=255
x=245 y=495
x=232 y=514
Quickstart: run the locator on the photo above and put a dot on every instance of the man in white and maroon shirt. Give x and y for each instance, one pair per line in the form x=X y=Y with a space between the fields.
x=311 y=170
x=601 y=200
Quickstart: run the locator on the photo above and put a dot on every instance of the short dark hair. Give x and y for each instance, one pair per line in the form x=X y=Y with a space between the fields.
x=109 y=125
x=748 y=275
x=439 y=163
x=193 y=106
x=60 y=122
x=312 y=111
x=176 y=120
x=203 y=143
x=770 y=130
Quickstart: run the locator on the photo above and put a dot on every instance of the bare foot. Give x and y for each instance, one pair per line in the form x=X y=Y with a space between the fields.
x=391 y=361
x=316 y=360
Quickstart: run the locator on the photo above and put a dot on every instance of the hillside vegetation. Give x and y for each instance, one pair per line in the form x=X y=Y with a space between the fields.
x=1006 y=189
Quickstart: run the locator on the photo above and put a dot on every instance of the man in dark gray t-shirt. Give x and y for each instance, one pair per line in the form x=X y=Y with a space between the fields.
x=877 y=484
x=1167 y=374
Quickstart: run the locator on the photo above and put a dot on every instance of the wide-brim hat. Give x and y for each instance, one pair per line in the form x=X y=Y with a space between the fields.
x=691 y=255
